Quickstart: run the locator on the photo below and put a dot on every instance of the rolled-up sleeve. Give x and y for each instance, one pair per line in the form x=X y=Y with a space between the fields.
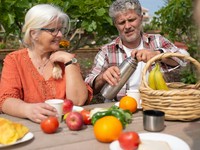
x=10 y=85
x=168 y=46
x=100 y=63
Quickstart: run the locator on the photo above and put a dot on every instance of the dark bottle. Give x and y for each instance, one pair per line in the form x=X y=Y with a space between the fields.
x=127 y=67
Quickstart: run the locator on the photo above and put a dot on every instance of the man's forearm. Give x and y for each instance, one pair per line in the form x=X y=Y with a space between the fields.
x=99 y=82
x=168 y=61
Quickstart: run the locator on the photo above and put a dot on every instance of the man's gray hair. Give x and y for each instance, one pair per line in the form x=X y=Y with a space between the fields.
x=124 y=5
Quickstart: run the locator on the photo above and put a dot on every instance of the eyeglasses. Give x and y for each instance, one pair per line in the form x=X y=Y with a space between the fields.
x=54 y=31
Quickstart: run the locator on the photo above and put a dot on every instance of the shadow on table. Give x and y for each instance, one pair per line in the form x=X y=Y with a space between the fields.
x=194 y=134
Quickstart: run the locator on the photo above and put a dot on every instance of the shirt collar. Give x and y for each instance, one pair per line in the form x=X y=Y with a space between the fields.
x=146 y=38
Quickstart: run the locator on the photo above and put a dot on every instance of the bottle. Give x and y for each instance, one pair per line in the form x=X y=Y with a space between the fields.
x=127 y=67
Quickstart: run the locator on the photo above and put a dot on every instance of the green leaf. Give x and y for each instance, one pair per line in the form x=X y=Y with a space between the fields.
x=109 y=20
x=100 y=12
x=11 y=19
x=90 y=26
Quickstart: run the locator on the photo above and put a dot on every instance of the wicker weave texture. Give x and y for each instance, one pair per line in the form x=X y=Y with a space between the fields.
x=181 y=102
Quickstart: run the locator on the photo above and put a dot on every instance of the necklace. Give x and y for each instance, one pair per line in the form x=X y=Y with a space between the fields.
x=44 y=65
x=40 y=67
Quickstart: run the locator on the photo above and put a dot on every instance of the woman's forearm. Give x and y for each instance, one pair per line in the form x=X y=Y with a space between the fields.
x=14 y=107
x=76 y=89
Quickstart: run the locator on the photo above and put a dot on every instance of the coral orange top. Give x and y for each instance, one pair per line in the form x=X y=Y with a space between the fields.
x=20 y=79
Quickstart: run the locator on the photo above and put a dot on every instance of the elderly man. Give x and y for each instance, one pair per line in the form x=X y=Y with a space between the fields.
x=127 y=18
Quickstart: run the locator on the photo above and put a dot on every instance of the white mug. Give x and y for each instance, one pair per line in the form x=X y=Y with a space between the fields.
x=58 y=105
x=136 y=95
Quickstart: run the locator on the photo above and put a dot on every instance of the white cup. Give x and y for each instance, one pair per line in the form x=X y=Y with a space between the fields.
x=136 y=95
x=58 y=105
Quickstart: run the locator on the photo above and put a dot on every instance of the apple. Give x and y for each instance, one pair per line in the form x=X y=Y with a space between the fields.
x=67 y=106
x=74 y=121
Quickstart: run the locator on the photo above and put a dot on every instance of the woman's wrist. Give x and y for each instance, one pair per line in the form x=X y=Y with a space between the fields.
x=72 y=61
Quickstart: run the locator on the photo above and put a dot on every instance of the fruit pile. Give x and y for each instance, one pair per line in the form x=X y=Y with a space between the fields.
x=124 y=116
x=75 y=120
x=108 y=123
x=156 y=80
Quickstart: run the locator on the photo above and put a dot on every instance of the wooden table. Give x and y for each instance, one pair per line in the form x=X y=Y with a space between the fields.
x=65 y=139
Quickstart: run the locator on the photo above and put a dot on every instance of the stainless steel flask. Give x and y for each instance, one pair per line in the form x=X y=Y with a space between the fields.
x=127 y=67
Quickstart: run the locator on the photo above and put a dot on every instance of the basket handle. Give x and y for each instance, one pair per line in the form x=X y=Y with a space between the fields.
x=167 y=55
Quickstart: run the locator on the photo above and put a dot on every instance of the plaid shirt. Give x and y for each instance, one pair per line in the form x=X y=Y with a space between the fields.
x=113 y=54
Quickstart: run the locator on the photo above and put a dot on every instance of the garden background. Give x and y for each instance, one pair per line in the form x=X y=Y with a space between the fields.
x=92 y=27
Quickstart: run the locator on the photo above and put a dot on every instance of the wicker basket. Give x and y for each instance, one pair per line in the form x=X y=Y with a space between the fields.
x=181 y=102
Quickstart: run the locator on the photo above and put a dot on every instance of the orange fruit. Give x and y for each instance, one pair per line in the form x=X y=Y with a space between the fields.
x=107 y=129
x=128 y=103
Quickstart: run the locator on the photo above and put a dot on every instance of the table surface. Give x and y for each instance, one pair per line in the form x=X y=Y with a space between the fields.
x=85 y=140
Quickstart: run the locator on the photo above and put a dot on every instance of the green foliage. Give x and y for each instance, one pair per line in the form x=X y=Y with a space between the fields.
x=194 y=49
x=2 y=45
x=92 y=16
x=176 y=22
x=175 y=19
x=12 y=15
x=188 y=77
x=149 y=27
x=89 y=15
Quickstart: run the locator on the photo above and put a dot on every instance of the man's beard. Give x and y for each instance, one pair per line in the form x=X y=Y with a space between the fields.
x=131 y=38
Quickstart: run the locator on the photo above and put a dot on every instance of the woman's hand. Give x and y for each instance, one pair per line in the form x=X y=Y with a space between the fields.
x=144 y=54
x=112 y=75
x=39 y=111
x=61 y=56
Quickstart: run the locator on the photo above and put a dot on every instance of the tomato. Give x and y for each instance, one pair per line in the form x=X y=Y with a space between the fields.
x=49 y=125
x=86 y=116
x=129 y=140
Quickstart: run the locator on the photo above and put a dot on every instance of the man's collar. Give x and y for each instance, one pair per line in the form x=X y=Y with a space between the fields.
x=119 y=43
x=145 y=38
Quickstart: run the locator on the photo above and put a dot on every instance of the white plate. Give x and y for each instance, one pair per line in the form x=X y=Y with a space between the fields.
x=77 y=108
x=27 y=137
x=175 y=143
x=138 y=107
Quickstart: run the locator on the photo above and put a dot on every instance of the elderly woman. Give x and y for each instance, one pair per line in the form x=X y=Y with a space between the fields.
x=39 y=72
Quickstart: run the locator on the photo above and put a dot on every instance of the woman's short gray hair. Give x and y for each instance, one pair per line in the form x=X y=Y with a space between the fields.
x=124 y=5
x=42 y=15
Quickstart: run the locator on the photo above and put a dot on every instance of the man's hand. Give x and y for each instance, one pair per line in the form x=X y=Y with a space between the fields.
x=112 y=75
x=144 y=54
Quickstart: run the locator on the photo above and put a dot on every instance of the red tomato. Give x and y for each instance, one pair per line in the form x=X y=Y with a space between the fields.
x=49 y=125
x=129 y=140
x=86 y=116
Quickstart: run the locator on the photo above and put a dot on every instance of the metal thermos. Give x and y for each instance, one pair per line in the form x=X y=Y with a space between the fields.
x=127 y=67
